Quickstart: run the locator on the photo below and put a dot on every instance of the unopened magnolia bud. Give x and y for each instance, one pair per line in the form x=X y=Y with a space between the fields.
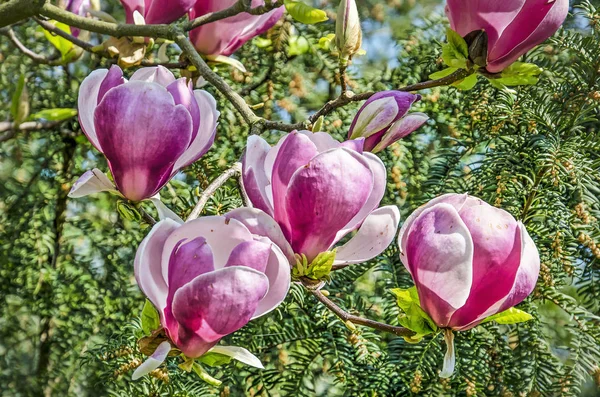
x=348 y=35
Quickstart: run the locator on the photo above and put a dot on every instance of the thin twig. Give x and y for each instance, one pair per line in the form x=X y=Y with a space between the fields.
x=59 y=32
x=236 y=100
x=347 y=317
x=239 y=7
x=11 y=129
x=26 y=51
x=236 y=169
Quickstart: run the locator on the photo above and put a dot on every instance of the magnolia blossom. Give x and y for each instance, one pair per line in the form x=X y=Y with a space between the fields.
x=148 y=128
x=79 y=7
x=310 y=191
x=225 y=36
x=468 y=260
x=513 y=27
x=157 y=11
x=208 y=278
x=384 y=119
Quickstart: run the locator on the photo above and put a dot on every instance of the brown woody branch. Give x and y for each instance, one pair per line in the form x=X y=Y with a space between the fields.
x=347 y=317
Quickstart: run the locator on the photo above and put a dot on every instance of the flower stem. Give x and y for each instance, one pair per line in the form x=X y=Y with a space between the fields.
x=450 y=357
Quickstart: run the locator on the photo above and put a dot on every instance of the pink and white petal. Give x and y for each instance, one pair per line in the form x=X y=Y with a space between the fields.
x=209 y=115
x=322 y=140
x=155 y=74
x=87 y=102
x=142 y=133
x=114 y=78
x=147 y=263
x=325 y=195
x=440 y=256
x=222 y=235
x=238 y=353
x=261 y=224
x=296 y=151
x=374 y=236
x=255 y=180
x=216 y=304
x=164 y=212
x=153 y=362
x=537 y=20
x=401 y=129
x=374 y=116
x=377 y=191
x=253 y=254
x=456 y=200
x=357 y=145
x=496 y=258
x=167 y=11
x=131 y=6
x=91 y=182
x=524 y=282
x=183 y=95
x=278 y=272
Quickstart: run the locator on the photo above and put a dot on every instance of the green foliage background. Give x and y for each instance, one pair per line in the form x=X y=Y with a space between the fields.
x=69 y=305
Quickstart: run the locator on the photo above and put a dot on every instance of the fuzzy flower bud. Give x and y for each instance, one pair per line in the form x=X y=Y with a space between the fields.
x=348 y=35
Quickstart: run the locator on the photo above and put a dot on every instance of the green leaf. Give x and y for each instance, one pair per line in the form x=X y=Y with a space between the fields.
x=326 y=42
x=57 y=114
x=519 y=73
x=510 y=316
x=455 y=53
x=128 y=212
x=298 y=45
x=467 y=83
x=320 y=267
x=205 y=376
x=442 y=73
x=413 y=316
x=19 y=106
x=150 y=319
x=214 y=359
x=65 y=47
x=304 y=13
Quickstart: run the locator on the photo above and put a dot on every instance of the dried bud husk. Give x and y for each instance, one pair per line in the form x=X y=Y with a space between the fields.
x=477 y=41
x=348 y=34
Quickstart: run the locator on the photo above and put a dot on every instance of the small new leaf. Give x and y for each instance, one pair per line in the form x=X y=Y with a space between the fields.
x=442 y=73
x=467 y=83
x=455 y=52
x=205 y=375
x=214 y=359
x=19 y=108
x=510 y=316
x=64 y=46
x=150 y=318
x=304 y=13
x=413 y=317
x=321 y=266
x=519 y=73
x=57 y=114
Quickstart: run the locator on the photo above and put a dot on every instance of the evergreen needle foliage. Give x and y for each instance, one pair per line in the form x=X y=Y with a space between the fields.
x=69 y=306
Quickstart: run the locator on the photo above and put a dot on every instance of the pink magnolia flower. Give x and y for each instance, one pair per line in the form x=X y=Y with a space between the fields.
x=148 y=128
x=157 y=11
x=513 y=27
x=468 y=260
x=79 y=7
x=225 y=36
x=208 y=278
x=384 y=119
x=313 y=191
